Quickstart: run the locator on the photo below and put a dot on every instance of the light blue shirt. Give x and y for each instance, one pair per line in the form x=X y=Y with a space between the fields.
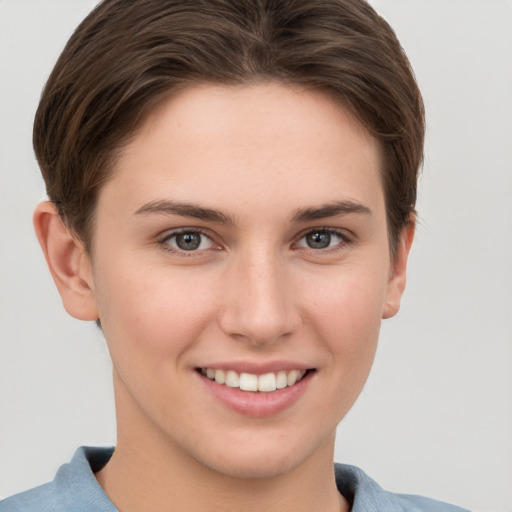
x=75 y=489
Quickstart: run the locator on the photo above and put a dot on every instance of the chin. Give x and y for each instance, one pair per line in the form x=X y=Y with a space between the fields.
x=264 y=458
x=257 y=467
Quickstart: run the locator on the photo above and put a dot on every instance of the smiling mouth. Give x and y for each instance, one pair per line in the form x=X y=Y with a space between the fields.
x=266 y=383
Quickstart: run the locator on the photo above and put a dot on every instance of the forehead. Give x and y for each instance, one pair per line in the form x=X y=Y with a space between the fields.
x=267 y=141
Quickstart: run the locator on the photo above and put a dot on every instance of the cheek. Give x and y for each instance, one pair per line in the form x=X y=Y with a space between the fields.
x=348 y=316
x=154 y=311
x=352 y=298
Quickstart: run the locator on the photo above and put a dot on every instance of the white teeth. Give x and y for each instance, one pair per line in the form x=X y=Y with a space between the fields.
x=291 y=379
x=248 y=382
x=281 y=380
x=220 y=376
x=232 y=379
x=265 y=383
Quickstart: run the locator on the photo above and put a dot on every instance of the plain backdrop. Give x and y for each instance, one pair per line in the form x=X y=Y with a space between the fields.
x=435 y=417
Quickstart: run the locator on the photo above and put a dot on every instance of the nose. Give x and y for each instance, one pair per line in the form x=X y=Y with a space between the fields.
x=259 y=303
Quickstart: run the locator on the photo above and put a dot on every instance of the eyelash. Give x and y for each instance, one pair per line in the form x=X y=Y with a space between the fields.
x=345 y=240
x=164 y=241
x=344 y=237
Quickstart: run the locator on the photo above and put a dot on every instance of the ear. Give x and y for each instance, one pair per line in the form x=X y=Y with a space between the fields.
x=68 y=262
x=397 y=279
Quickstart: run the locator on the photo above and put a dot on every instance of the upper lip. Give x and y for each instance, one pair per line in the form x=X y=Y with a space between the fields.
x=257 y=368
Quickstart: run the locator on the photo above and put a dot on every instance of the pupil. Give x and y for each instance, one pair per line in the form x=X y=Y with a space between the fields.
x=188 y=241
x=319 y=240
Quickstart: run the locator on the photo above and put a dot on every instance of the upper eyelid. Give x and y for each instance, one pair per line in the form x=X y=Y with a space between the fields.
x=344 y=233
x=169 y=233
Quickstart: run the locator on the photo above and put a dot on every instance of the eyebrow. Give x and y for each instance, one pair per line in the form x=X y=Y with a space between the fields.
x=330 y=210
x=166 y=207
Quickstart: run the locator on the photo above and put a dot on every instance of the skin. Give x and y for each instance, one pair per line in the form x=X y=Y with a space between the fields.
x=263 y=157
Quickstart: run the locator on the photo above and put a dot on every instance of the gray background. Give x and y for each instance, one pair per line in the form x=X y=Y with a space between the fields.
x=436 y=415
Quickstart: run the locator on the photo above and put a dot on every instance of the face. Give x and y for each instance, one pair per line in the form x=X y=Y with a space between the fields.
x=240 y=270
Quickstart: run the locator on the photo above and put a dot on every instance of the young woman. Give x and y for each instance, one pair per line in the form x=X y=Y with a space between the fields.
x=232 y=189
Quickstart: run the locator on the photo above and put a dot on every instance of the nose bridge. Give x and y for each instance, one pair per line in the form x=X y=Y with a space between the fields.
x=259 y=302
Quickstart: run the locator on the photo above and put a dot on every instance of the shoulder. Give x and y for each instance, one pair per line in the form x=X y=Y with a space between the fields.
x=74 y=488
x=40 y=499
x=366 y=495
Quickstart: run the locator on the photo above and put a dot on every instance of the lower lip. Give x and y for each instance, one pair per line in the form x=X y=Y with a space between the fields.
x=258 y=404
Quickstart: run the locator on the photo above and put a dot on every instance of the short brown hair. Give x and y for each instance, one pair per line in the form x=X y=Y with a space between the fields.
x=127 y=55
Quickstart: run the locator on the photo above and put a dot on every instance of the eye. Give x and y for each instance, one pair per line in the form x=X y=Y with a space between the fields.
x=187 y=240
x=319 y=239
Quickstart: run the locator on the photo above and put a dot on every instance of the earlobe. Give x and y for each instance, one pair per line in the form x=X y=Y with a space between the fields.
x=397 y=280
x=67 y=261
